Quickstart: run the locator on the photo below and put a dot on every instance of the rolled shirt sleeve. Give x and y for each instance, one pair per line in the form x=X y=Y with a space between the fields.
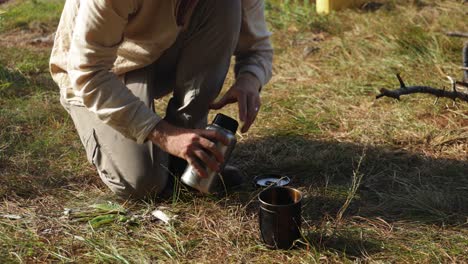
x=254 y=53
x=99 y=30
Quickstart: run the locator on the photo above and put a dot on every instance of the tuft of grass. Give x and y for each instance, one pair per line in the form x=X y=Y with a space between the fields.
x=40 y=15
x=9 y=79
x=300 y=17
x=24 y=72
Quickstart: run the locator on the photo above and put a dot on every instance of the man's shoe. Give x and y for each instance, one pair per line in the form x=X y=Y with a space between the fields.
x=176 y=166
x=229 y=178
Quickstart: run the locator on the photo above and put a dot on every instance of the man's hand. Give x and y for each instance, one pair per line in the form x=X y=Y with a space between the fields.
x=196 y=146
x=245 y=92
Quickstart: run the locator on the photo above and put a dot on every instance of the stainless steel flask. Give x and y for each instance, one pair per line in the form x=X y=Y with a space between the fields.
x=228 y=127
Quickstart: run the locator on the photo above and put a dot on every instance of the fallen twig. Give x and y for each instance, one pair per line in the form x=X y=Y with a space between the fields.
x=457 y=34
x=465 y=61
x=464 y=84
x=405 y=90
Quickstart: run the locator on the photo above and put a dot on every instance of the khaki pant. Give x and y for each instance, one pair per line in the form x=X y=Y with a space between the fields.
x=194 y=70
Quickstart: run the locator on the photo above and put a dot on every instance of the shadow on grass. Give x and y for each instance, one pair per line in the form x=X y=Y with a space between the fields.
x=344 y=242
x=17 y=84
x=10 y=80
x=396 y=185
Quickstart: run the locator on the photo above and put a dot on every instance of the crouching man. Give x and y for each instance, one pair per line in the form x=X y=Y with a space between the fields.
x=113 y=58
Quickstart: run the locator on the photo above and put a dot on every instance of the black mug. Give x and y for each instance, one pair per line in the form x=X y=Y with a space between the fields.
x=280 y=216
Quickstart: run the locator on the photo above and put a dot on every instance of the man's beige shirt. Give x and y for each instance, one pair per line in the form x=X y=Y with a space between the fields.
x=99 y=40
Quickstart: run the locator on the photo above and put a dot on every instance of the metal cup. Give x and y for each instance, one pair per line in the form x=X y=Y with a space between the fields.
x=280 y=216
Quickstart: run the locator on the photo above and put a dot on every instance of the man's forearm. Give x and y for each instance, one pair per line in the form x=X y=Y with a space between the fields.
x=162 y=131
x=193 y=145
x=254 y=52
x=257 y=63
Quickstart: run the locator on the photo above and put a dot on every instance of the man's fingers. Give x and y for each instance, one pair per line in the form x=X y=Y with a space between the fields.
x=197 y=166
x=210 y=148
x=218 y=105
x=225 y=100
x=207 y=160
x=214 y=136
x=253 y=106
x=242 y=103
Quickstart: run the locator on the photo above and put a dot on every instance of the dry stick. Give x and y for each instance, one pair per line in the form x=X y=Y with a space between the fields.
x=457 y=34
x=404 y=90
x=465 y=61
x=465 y=50
x=464 y=84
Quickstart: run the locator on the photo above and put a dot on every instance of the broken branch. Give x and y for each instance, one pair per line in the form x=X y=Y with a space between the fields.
x=405 y=90
x=465 y=61
x=457 y=34
x=464 y=84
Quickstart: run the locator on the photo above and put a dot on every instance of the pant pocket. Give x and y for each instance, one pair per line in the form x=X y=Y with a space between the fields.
x=102 y=161
x=91 y=147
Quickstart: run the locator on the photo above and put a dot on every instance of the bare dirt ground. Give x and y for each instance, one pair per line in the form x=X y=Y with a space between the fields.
x=27 y=39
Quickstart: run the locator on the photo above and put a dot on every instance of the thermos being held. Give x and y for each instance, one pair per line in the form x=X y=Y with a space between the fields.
x=228 y=127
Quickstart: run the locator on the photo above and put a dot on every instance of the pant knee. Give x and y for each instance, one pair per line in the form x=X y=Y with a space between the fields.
x=220 y=19
x=145 y=184
x=135 y=183
x=228 y=16
x=228 y=11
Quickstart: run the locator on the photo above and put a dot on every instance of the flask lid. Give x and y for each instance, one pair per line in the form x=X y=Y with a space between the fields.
x=266 y=180
x=226 y=122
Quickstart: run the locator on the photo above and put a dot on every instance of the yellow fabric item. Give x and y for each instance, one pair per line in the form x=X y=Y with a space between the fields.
x=326 y=6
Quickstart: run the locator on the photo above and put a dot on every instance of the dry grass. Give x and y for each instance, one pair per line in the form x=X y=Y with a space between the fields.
x=319 y=124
